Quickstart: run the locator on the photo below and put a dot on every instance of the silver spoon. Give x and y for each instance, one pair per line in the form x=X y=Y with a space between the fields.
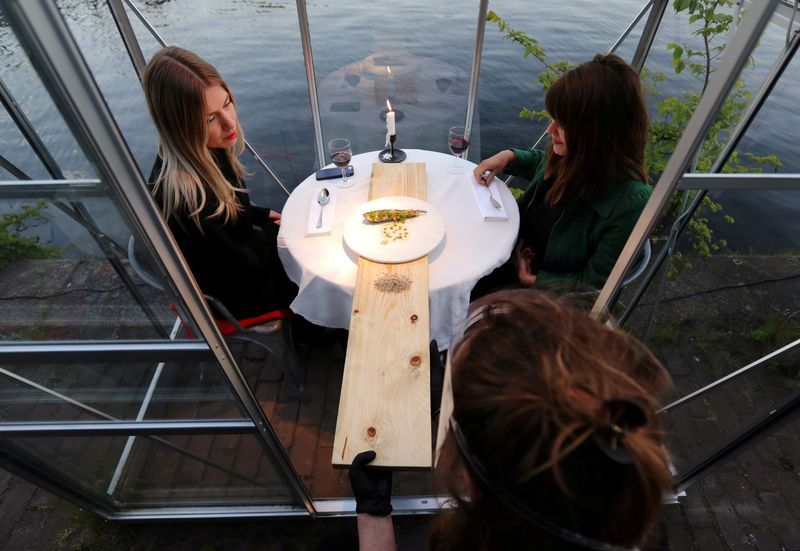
x=495 y=203
x=323 y=199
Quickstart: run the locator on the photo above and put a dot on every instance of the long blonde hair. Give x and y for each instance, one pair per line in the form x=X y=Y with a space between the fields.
x=174 y=83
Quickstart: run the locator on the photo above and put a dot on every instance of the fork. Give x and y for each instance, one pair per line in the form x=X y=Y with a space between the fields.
x=495 y=203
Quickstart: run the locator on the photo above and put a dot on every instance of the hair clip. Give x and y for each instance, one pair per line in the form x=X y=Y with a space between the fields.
x=621 y=416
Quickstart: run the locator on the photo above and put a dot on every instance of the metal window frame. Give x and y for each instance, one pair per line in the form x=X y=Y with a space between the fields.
x=648 y=31
x=738 y=133
x=734 y=58
x=52 y=189
x=475 y=70
x=131 y=43
x=649 y=34
x=748 y=182
x=311 y=81
x=45 y=37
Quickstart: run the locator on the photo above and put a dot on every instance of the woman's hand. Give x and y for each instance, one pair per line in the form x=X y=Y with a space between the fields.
x=275 y=217
x=493 y=165
x=522 y=261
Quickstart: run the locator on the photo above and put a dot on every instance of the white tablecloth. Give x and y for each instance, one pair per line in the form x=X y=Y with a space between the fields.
x=325 y=272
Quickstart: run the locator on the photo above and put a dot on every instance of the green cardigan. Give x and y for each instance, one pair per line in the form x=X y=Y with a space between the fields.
x=585 y=241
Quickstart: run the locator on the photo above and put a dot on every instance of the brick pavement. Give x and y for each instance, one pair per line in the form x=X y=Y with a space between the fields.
x=752 y=503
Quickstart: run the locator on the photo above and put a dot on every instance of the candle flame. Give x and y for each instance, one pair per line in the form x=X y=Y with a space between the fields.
x=388 y=105
x=389 y=70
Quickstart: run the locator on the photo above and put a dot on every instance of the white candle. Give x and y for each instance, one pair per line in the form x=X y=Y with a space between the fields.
x=389 y=119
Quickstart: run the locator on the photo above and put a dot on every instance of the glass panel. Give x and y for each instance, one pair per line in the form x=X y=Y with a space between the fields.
x=716 y=314
x=509 y=81
x=27 y=90
x=171 y=391
x=173 y=471
x=262 y=63
x=416 y=53
x=57 y=284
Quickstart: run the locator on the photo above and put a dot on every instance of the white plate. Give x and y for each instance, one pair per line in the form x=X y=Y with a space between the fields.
x=425 y=232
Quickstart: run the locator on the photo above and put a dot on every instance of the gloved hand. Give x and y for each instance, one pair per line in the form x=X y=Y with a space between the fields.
x=372 y=488
x=437 y=377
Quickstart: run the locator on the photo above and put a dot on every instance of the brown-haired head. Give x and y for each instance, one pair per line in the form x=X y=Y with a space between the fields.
x=601 y=108
x=529 y=382
x=174 y=83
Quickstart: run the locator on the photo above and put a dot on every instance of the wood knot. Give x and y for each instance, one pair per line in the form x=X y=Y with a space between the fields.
x=415 y=361
x=371 y=432
x=414 y=318
x=355 y=311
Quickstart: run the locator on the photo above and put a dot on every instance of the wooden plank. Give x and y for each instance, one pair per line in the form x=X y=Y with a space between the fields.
x=385 y=398
x=398 y=179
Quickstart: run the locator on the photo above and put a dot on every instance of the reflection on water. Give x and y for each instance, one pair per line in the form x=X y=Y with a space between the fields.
x=427 y=46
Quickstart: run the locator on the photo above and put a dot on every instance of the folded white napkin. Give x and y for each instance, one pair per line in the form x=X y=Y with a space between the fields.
x=327 y=213
x=482 y=199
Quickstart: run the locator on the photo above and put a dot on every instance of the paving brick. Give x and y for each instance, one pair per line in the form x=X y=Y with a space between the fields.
x=327 y=429
x=38 y=530
x=709 y=539
x=326 y=478
x=284 y=422
x=730 y=526
x=334 y=386
x=267 y=396
x=787 y=525
x=12 y=506
x=695 y=509
x=318 y=365
x=304 y=448
x=672 y=360
x=6 y=479
x=313 y=405
x=677 y=532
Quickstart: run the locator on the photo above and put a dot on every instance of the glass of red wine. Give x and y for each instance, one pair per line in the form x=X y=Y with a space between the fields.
x=458 y=141
x=340 y=155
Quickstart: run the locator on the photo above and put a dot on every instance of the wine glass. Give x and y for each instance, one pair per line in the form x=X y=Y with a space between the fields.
x=340 y=154
x=458 y=141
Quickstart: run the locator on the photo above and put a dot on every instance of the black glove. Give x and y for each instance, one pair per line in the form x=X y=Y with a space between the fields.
x=437 y=377
x=372 y=488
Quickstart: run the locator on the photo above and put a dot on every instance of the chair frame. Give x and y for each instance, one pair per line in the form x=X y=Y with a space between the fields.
x=275 y=337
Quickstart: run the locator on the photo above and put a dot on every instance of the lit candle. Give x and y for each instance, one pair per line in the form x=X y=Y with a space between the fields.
x=389 y=119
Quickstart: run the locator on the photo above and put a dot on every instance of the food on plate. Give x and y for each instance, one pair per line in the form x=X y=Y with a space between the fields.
x=394 y=232
x=391 y=215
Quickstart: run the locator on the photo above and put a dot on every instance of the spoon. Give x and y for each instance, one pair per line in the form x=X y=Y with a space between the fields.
x=323 y=199
x=495 y=203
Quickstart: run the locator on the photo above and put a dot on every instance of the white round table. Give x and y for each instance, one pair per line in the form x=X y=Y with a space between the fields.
x=325 y=271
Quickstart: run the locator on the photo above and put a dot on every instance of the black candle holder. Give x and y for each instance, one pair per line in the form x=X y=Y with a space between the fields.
x=392 y=155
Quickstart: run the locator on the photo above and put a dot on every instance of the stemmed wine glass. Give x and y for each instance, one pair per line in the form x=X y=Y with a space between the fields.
x=458 y=141
x=340 y=154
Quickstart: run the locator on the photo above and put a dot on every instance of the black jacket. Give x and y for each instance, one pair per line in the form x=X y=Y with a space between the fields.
x=234 y=262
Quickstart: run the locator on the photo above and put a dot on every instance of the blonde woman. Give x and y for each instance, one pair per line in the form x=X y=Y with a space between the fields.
x=229 y=243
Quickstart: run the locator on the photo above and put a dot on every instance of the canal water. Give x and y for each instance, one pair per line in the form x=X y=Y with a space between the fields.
x=256 y=45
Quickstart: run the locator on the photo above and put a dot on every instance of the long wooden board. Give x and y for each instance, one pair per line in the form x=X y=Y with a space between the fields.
x=385 y=398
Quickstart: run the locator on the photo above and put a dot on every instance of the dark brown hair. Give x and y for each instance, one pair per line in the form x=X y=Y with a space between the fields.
x=600 y=106
x=529 y=381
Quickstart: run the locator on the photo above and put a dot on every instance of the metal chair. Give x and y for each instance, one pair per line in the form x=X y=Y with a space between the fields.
x=641 y=264
x=274 y=332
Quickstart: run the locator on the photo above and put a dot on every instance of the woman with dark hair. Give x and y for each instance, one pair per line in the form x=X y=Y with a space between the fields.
x=588 y=190
x=198 y=183
x=553 y=441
